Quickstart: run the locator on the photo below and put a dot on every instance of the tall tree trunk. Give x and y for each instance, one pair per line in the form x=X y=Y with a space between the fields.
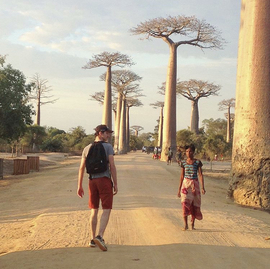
x=194 y=121
x=250 y=182
x=229 y=125
x=122 y=129
x=160 y=128
x=107 y=106
x=127 y=129
x=169 y=124
x=117 y=123
x=38 y=110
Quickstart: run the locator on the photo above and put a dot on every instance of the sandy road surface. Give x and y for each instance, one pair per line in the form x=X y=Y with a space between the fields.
x=43 y=224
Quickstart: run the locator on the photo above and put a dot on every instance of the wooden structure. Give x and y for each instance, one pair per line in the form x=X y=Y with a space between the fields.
x=21 y=166
x=33 y=162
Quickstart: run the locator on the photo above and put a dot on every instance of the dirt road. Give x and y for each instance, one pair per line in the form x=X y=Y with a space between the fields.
x=43 y=224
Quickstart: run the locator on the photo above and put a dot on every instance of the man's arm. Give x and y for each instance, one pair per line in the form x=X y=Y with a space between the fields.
x=113 y=173
x=80 y=190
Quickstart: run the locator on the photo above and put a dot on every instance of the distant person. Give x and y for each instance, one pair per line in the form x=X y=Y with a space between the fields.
x=169 y=156
x=155 y=153
x=189 y=188
x=102 y=185
x=179 y=156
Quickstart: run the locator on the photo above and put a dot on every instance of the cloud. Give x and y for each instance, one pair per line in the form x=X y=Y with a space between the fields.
x=88 y=25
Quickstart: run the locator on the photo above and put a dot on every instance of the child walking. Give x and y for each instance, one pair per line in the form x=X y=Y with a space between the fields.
x=189 y=187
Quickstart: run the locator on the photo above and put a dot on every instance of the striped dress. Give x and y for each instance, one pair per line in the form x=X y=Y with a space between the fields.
x=190 y=190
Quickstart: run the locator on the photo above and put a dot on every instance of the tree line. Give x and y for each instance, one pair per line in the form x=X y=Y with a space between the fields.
x=210 y=141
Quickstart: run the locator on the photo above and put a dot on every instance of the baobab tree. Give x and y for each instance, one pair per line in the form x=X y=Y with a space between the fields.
x=227 y=105
x=136 y=129
x=131 y=102
x=108 y=60
x=250 y=181
x=40 y=94
x=99 y=97
x=129 y=99
x=232 y=117
x=193 y=32
x=194 y=90
x=124 y=83
x=160 y=105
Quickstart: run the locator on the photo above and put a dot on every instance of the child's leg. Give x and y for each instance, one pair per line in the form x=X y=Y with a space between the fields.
x=192 y=222
x=186 y=223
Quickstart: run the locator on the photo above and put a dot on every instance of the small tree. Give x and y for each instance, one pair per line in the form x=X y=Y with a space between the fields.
x=215 y=135
x=227 y=105
x=136 y=129
x=193 y=90
x=214 y=127
x=98 y=96
x=34 y=137
x=15 y=112
x=135 y=142
x=75 y=136
x=160 y=121
x=40 y=94
x=2 y=60
x=216 y=145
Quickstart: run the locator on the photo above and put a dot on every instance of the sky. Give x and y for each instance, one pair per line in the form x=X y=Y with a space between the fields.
x=55 y=39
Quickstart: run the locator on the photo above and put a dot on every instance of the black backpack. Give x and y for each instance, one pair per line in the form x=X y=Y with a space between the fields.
x=96 y=160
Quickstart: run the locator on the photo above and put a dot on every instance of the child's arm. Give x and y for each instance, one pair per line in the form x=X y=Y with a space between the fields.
x=201 y=179
x=181 y=181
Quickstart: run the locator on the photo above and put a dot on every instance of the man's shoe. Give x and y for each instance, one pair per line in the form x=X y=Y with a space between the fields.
x=92 y=244
x=100 y=242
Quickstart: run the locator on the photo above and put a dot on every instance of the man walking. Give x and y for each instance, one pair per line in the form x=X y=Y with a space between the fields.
x=102 y=186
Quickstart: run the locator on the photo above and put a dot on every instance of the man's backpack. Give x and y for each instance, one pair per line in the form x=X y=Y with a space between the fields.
x=96 y=160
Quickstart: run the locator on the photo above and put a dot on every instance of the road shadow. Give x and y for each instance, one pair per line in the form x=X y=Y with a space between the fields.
x=128 y=257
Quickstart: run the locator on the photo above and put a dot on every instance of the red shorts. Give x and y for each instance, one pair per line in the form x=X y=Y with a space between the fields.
x=100 y=189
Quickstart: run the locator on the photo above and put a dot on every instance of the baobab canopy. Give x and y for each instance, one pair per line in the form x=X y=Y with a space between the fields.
x=193 y=31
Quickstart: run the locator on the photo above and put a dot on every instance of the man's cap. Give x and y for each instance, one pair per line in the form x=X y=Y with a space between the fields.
x=103 y=128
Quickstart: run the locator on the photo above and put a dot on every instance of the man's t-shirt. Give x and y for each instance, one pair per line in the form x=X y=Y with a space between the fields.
x=109 y=151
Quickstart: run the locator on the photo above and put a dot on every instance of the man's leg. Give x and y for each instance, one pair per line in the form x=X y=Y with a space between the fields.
x=103 y=224
x=104 y=221
x=93 y=222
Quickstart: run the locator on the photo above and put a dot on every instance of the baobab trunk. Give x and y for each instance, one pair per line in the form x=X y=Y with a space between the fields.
x=38 y=111
x=160 y=128
x=117 y=123
x=127 y=129
x=122 y=130
x=169 y=124
x=229 y=125
x=107 y=106
x=250 y=182
x=194 y=121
